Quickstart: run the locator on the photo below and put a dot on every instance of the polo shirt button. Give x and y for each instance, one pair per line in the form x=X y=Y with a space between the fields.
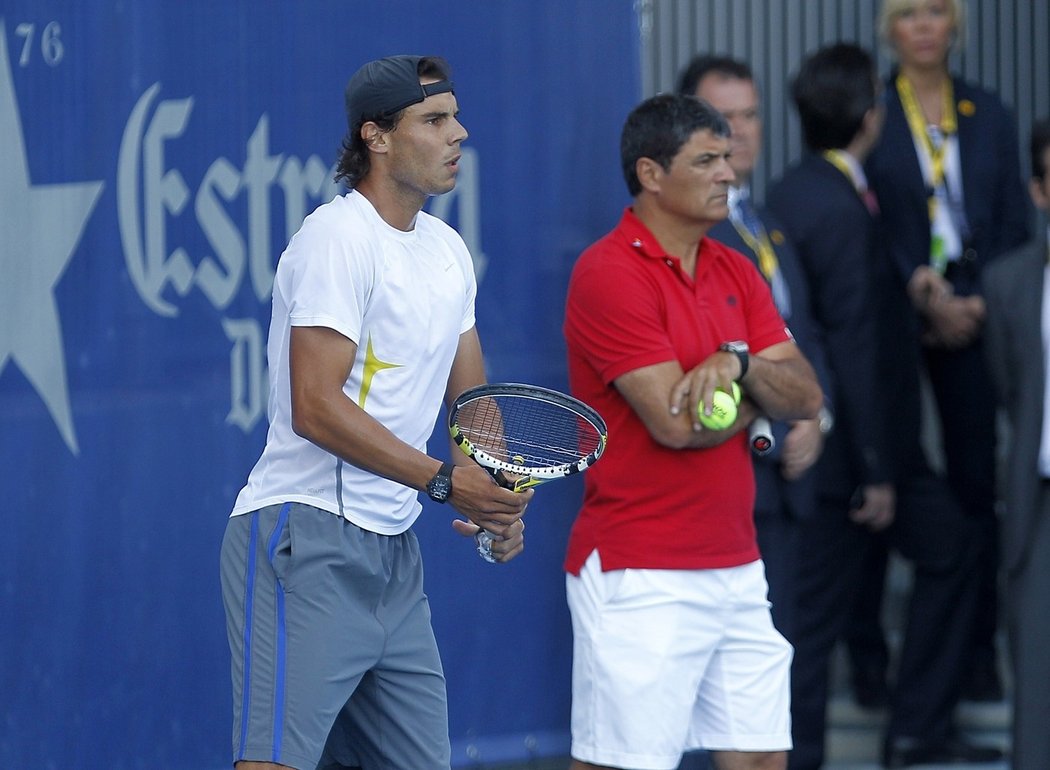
x=670 y=263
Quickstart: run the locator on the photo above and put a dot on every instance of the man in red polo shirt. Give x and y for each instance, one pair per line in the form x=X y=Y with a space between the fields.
x=674 y=648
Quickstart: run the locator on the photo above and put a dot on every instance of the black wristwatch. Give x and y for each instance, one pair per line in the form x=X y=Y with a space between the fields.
x=741 y=351
x=440 y=487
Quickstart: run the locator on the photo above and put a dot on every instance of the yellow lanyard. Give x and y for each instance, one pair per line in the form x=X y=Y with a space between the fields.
x=917 y=124
x=834 y=157
x=761 y=246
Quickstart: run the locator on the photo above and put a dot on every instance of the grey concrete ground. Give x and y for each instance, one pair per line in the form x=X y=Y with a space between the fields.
x=853 y=741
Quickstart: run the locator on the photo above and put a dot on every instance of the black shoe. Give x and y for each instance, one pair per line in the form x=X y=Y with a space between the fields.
x=905 y=752
x=870 y=690
x=984 y=684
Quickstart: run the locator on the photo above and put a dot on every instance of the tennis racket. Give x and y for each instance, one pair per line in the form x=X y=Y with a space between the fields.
x=761 y=436
x=525 y=435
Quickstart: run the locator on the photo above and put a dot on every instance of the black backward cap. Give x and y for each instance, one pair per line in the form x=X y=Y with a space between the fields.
x=386 y=86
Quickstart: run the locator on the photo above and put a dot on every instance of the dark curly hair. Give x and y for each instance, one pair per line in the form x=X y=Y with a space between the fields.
x=658 y=127
x=833 y=91
x=702 y=66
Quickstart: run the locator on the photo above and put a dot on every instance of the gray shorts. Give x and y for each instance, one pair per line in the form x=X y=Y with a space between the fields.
x=333 y=655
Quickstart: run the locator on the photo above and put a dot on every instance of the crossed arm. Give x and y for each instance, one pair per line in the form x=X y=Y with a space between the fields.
x=779 y=383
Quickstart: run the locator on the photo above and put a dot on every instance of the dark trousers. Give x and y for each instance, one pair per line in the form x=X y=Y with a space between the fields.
x=1028 y=610
x=864 y=635
x=938 y=540
x=964 y=392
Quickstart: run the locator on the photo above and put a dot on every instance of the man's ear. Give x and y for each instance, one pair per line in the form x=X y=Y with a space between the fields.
x=1038 y=189
x=649 y=173
x=374 y=138
x=874 y=120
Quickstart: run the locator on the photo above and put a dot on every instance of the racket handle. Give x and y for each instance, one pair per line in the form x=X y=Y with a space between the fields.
x=501 y=478
x=498 y=476
x=484 y=540
x=519 y=484
x=761 y=436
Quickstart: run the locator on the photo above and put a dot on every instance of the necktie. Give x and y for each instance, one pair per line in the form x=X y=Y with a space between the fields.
x=868 y=196
x=757 y=239
x=748 y=216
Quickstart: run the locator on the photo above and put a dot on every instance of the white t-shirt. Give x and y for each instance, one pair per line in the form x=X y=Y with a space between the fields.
x=404 y=298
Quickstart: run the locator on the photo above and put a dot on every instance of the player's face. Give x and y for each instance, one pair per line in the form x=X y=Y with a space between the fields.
x=425 y=146
x=737 y=100
x=696 y=186
x=922 y=34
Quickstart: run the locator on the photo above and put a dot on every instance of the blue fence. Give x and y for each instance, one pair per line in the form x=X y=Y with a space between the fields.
x=154 y=159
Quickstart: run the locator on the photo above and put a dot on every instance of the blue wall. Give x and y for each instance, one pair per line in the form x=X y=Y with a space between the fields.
x=154 y=159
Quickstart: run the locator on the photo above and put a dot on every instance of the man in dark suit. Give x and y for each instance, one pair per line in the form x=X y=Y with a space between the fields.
x=783 y=481
x=1017 y=337
x=873 y=481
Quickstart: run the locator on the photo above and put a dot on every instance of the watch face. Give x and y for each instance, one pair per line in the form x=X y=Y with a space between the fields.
x=439 y=488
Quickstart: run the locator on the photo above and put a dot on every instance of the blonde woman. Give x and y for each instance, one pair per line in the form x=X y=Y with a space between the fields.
x=947 y=176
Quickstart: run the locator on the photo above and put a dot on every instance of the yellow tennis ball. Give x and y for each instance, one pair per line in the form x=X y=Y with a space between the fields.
x=723 y=409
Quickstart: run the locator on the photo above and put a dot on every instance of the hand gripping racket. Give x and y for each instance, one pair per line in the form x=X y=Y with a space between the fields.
x=525 y=435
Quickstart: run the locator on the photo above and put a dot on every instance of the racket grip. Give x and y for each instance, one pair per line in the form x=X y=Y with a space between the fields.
x=520 y=484
x=484 y=539
x=501 y=478
x=760 y=436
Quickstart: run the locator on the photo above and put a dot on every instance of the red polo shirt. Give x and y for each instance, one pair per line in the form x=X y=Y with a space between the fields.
x=630 y=305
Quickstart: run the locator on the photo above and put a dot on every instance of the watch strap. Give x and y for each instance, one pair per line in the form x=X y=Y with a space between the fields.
x=740 y=350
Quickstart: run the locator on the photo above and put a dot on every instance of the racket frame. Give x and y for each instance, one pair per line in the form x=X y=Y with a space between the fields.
x=529 y=476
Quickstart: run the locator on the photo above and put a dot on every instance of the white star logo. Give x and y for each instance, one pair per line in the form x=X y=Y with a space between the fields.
x=39 y=229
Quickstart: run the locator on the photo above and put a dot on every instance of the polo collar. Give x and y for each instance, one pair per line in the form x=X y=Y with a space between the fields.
x=640 y=238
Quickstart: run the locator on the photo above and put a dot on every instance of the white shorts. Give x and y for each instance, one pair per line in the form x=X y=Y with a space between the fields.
x=667 y=661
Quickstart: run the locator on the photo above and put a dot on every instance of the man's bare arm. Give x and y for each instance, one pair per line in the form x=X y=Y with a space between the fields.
x=320 y=361
x=779 y=383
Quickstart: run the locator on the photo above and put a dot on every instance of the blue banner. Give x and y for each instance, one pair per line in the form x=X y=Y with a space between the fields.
x=155 y=157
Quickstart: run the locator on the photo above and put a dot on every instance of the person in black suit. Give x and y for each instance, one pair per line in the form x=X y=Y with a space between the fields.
x=947 y=173
x=1016 y=290
x=873 y=481
x=784 y=488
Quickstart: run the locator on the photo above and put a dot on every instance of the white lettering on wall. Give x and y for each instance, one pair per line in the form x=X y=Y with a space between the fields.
x=150 y=196
x=248 y=381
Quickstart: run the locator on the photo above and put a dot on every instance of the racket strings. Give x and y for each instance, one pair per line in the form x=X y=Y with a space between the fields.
x=528 y=432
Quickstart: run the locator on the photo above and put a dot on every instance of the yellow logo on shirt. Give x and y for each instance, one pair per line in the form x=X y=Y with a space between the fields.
x=372 y=365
